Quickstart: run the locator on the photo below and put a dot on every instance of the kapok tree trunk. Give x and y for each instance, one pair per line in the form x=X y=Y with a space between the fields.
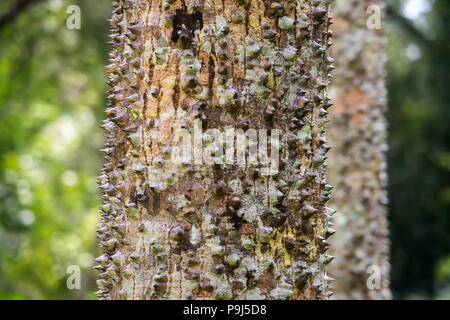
x=357 y=159
x=191 y=230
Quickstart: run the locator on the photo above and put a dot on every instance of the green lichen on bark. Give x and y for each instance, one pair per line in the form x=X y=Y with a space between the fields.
x=189 y=231
x=358 y=166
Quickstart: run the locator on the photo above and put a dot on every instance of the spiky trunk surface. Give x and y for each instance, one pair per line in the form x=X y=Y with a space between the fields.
x=198 y=231
x=358 y=140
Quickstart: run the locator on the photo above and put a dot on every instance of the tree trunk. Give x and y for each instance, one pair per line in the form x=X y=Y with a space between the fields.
x=174 y=227
x=358 y=140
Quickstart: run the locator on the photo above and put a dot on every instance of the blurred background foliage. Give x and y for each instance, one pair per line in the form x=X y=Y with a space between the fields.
x=51 y=100
x=52 y=94
x=419 y=138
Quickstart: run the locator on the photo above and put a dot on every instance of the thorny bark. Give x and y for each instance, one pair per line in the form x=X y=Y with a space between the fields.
x=215 y=232
x=358 y=167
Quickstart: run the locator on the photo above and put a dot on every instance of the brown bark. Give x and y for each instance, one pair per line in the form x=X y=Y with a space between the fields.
x=358 y=167
x=198 y=231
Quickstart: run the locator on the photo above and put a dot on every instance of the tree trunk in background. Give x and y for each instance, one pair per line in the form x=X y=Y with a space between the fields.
x=358 y=140
x=198 y=231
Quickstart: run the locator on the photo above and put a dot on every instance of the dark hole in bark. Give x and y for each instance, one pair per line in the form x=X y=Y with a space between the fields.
x=188 y=22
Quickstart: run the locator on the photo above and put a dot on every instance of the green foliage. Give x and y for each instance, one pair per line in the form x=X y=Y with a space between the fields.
x=419 y=170
x=51 y=102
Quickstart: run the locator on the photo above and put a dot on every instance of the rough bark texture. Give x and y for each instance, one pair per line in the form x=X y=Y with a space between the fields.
x=224 y=231
x=358 y=140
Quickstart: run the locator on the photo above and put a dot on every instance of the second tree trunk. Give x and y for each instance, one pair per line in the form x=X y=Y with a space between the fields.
x=357 y=159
